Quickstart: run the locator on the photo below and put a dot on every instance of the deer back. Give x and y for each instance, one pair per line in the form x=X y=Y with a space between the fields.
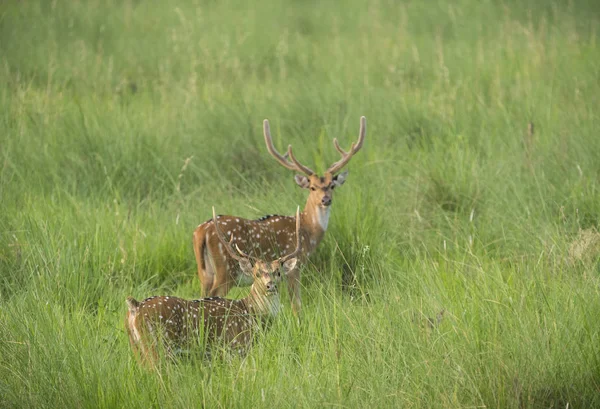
x=180 y=323
x=269 y=237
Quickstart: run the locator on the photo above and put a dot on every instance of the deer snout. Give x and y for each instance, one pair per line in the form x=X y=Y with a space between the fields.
x=326 y=200
x=271 y=287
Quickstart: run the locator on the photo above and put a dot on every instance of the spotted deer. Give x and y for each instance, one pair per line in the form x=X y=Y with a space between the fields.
x=178 y=323
x=273 y=235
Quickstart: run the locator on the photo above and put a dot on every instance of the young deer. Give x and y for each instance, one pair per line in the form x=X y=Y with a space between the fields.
x=179 y=323
x=273 y=235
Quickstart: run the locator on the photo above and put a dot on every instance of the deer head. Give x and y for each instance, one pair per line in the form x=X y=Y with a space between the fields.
x=320 y=187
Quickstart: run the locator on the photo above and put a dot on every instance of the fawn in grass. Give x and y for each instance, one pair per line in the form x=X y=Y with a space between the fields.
x=178 y=324
x=273 y=235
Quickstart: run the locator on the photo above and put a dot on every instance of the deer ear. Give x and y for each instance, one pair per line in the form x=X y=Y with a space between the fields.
x=246 y=266
x=290 y=265
x=302 y=181
x=338 y=180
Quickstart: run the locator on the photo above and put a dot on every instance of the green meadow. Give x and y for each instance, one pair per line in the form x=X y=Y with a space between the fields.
x=461 y=267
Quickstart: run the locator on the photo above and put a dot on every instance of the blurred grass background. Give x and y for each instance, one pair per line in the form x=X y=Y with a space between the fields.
x=123 y=122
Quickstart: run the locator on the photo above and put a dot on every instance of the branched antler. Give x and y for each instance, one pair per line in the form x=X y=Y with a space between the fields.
x=282 y=159
x=355 y=147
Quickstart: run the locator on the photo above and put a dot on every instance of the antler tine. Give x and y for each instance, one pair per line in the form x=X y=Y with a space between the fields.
x=227 y=244
x=355 y=147
x=298 y=241
x=282 y=159
x=300 y=167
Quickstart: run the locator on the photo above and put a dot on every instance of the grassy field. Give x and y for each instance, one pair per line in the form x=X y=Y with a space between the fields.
x=123 y=122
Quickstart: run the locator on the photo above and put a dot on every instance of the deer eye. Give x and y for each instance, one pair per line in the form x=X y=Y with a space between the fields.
x=313 y=188
x=332 y=186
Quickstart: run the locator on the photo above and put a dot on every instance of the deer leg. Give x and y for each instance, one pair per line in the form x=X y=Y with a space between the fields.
x=145 y=351
x=221 y=288
x=293 y=279
x=203 y=260
x=222 y=283
x=207 y=274
x=149 y=356
x=220 y=280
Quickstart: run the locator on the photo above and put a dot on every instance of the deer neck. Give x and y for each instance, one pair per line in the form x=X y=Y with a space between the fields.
x=314 y=222
x=260 y=304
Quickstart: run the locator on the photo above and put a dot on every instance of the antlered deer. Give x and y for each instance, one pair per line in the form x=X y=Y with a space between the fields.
x=273 y=235
x=179 y=324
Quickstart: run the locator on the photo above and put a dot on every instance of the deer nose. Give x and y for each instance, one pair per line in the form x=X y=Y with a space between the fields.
x=326 y=201
x=271 y=287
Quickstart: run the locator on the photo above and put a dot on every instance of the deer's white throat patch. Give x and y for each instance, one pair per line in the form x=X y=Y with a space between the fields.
x=322 y=216
x=274 y=305
x=267 y=306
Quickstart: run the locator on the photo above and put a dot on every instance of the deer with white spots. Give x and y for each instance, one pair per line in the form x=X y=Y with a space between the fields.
x=179 y=323
x=272 y=235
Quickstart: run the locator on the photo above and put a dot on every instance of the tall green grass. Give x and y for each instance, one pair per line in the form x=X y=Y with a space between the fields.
x=123 y=122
